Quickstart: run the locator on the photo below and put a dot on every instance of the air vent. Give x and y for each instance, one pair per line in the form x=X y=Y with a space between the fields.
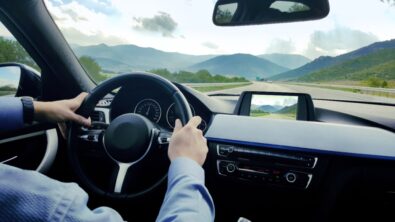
x=98 y=116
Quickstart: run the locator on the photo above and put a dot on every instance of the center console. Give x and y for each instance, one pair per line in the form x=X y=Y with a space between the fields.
x=264 y=165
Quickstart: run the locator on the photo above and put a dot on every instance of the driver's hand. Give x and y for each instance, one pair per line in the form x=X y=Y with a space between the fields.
x=188 y=141
x=61 y=111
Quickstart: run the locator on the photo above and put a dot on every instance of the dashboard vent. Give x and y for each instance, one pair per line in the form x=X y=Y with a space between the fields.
x=98 y=116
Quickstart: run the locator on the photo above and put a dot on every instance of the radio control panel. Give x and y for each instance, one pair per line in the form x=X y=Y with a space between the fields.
x=265 y=166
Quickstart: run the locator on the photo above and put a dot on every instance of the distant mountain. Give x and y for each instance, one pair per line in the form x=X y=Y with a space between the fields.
x=290 y=61
x=379 y=64
x=269 y=108
x=244 y=65
x=123 y=58
x=327 y=61
x=288 y=109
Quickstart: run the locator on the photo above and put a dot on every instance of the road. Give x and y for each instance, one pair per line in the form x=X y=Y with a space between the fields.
x=315 y=92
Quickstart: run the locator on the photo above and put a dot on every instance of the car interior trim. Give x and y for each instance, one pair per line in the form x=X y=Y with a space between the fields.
x=304 y=136
x=21 y=137
x=50 y=152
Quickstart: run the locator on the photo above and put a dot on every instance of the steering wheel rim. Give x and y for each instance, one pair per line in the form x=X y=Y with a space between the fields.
x=88 y=107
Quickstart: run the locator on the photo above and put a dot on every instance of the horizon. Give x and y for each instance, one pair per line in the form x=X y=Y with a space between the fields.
x=236 y=53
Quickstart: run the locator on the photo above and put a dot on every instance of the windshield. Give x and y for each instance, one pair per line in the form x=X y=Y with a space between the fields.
x=349 y=55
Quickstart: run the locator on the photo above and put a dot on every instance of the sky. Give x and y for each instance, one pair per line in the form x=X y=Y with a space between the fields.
x=185 y=26
x=260 y=100
x=9 y=76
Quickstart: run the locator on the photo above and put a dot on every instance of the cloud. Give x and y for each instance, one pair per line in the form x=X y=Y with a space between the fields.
x=281 y=46
x=4 y=31
x=337 y=41
x=100 y=6
x=162 y=23
x=74 y=15
x=76 y=37
x=210 y=45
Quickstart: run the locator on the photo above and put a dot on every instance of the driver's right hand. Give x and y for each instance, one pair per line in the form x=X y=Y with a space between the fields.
x=188 y=141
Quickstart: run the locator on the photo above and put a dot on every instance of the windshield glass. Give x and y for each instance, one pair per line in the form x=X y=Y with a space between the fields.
x=349 y=55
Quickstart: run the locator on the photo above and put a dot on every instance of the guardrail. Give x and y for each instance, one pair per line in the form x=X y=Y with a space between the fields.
x=362 y=88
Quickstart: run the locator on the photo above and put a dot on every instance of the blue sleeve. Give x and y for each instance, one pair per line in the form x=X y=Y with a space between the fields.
x=187 y=199
x=11 y=114
x=29 y=195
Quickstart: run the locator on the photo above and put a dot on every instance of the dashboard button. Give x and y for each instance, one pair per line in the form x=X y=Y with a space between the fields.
x=290 y=177
x=231 y=168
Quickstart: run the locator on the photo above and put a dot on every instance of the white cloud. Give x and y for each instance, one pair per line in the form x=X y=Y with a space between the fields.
x=210 y=45
x=281 y=46
x=4 y=31
x=337 y=41
x=162 y=23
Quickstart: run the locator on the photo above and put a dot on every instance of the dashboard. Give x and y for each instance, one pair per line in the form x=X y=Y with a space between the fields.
x=289 y=164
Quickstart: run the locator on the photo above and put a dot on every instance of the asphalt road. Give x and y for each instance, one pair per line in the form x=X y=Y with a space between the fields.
x=315 y=92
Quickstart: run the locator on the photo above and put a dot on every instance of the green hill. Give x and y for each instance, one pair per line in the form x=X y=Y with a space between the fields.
x=380 y=64
x=324 y=62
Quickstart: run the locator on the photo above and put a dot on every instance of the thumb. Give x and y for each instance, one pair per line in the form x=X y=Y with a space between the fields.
x=177 y=126
x=79 y=99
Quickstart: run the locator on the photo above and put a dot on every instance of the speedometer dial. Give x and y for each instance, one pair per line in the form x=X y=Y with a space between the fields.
x=171 y=115
x=150 y=109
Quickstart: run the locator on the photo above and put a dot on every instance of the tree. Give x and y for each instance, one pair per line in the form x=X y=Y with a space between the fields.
x=92 y=67
x=12 y=51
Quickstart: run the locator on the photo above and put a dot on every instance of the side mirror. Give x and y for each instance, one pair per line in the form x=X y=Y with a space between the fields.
x=253 y=12
x=19 y=80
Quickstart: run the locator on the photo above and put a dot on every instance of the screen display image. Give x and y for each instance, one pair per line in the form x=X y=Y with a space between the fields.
x=274 y=106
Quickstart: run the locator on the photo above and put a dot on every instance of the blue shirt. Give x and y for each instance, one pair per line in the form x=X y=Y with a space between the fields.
x=30 y=196
x=11 y=114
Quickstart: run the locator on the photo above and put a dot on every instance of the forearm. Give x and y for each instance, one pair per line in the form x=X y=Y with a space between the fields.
x=187 y=199
x=11 y=114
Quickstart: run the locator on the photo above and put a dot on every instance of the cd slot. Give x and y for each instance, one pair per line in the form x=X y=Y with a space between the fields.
x=277 y=158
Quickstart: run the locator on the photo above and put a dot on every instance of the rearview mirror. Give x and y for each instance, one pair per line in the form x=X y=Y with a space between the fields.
x=19 y=80
x=250 y=12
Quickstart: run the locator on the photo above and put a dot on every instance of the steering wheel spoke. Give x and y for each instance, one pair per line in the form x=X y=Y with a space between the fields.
x=120 y=178
x=164 y=137
x=93 y=133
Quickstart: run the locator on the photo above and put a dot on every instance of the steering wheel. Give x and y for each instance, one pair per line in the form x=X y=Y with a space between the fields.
x=131 y=144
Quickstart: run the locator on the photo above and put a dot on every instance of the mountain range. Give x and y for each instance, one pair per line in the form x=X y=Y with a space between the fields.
x=275 y=108
x=126 y=58
x=327 y=61
x=290 y=61
x=248 y=66
x=123 y=58
x=376 y=59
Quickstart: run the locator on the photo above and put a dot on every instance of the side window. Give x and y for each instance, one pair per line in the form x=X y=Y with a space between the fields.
x=14 y=67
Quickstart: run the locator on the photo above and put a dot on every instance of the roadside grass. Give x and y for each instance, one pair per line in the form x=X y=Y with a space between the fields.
x=391 y=83
x=7 y=93
x=217 y=88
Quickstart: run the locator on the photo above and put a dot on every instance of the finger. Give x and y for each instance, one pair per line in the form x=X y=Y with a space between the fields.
x=79 y=99
x=195 y=121
x=62 y=129
x=81 y=120
x=177 y=126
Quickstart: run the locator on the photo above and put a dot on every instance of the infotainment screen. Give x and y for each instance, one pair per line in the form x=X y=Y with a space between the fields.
x=274 y=106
